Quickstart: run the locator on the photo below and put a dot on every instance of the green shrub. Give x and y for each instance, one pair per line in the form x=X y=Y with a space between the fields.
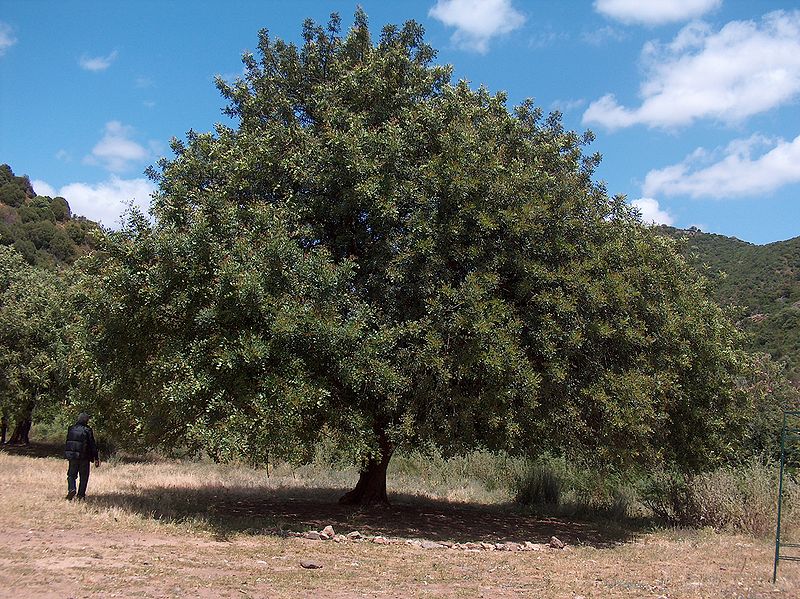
x=61 y=246
x=539 y=484
x=12 y=195
x=61 y=209
x=40 y=232
x=571 y=489
x=27 y=249
x=667 y=494
x=621 y=506
x=6 y=235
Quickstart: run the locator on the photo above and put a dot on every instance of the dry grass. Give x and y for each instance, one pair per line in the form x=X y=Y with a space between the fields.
x=170 y=529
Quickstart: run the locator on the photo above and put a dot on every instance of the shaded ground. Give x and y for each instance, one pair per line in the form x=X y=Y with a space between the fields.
x=115 y=545
x=35 y=450
x=235 y=510
x=56 y=450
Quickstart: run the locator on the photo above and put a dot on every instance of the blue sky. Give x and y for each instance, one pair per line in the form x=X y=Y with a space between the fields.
x=694 y=103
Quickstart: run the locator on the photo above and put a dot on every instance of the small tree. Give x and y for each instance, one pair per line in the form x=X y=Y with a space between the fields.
x=12 y=194
x=380 y=255
x=61 y=209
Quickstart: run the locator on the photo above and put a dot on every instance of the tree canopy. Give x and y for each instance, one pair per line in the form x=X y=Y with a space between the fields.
x=379 y=254
x=32 y=342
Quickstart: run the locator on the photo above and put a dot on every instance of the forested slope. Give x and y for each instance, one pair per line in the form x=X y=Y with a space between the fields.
x=764 y=280
x=42 y=229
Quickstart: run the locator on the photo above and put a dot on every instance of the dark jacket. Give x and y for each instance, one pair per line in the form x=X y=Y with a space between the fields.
x=80 y=443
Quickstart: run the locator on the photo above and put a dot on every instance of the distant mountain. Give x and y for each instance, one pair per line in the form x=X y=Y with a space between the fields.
x=41 y=228
x=764 y=280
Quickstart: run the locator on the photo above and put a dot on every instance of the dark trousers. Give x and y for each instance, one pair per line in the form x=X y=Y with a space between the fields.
x=77 y=467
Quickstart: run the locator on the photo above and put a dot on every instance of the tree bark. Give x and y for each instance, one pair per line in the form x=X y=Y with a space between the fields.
x=22 y=429
x=371 y=486
x=21 y=433
x=3 y=429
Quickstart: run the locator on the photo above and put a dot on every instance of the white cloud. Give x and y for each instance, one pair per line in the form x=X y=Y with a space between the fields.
x=42 y=188
x=654 y=12
x=652 y=212
x=63 y=155
x=103 y=202
x=746 y=68
x=7 y=38
x=477 y=21
x=547 y=37
x=598 y=37
x=567 y=105
x=740 y=171
x=97 y=63
x=116 y=151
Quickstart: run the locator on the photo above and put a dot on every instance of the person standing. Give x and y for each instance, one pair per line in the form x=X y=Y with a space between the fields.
x=81 y=450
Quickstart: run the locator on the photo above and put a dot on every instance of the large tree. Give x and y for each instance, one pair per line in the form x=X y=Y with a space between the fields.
x=376 y=253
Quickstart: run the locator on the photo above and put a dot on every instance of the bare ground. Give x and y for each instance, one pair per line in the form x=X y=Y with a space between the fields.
x=169 y=530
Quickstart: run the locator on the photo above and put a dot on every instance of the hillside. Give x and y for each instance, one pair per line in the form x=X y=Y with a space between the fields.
x=41 y=228
x=764 y=280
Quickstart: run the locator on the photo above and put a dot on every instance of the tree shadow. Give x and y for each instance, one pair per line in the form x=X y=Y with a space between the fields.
x=34 y=450
x=230 y=510
x=40 y=449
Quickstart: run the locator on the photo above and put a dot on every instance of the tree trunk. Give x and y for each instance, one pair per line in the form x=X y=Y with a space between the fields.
x=23 y=428
x=3 y=429
x=371 y=486
x=21 y=432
